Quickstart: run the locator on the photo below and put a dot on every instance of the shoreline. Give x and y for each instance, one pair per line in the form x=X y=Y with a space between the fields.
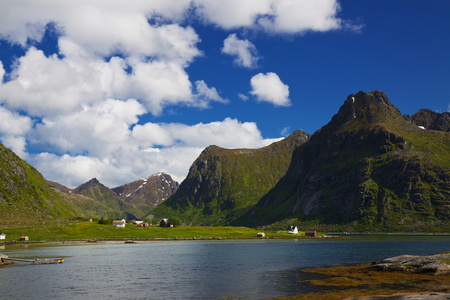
x=326 y=236
x=399 y=277
x=95 y=240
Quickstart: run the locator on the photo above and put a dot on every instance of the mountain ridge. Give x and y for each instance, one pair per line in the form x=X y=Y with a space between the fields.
x=367 y=166
x=224 y=183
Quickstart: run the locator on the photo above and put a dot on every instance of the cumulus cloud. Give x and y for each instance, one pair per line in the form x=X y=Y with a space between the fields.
x=269 y=88
x=97 y=130
x=118 y=61
x=229 y=133
x=301 y=16
x=2 y=72
x=244 y=51
x=243 y=97
x=207 y=94
x=275 y=16
x=138 y=152
x=13 y=127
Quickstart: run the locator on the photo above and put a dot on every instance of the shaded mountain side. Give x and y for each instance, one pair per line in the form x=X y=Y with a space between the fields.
x=25 y=197
x=90 y=207
x=223 y=184
x=107 y=198
x=430 y=120
x=147 y=193
x=368 y=168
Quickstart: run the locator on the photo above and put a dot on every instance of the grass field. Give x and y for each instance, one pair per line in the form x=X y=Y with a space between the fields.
x=92 y=230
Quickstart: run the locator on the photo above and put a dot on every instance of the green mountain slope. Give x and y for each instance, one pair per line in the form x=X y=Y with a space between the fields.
x=109 y=202
x=25 y=197
x=368 y=168
x=223 y=184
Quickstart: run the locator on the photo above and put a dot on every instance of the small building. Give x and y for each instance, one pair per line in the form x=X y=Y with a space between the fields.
x=312 y=233
x=164 y=223
x=2 y=236
x=292 y=230
x=143 y=224
x=137 y=222
x=24 y=238
x=260 y=234
x=119 y=223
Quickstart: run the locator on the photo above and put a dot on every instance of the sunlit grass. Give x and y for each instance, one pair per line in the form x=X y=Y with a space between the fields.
x=92 y=230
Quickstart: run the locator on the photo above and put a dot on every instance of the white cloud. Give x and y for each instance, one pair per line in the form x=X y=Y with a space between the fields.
x=132 y=155
x=285 y=131
x=151 y=134
x=275 y=16
x=2 y=72
x=229 y=133
x=113 y=66
x=63 y=86
x=243 y=97
x=13 y=128
x=269 y=88
x=98 y=130
x=232 y=14
x=105 y=26
x=244 y=51
x=302 y=15
x=206 y=94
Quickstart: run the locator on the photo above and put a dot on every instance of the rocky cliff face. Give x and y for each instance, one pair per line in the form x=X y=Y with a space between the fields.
x=430 y=120
x=223 y=184
x=369 y=168
x=147 y=193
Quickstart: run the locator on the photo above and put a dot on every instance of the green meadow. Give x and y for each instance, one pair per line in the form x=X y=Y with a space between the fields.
x=95 y=231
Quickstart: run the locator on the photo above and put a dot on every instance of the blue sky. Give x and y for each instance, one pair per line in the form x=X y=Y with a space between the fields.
x=121 y=91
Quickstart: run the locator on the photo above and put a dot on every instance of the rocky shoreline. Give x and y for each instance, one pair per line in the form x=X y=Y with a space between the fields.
x=438 y=264
x=401 y=277
x=4 y=262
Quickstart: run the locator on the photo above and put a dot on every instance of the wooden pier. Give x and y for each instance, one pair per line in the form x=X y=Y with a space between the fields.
x=37 y=261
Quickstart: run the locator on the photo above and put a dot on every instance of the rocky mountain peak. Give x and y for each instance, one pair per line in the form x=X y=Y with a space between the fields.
x=430 y=120
x=91 y=183
x=366 y=108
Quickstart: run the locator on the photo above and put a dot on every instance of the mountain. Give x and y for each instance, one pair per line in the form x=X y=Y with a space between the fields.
x=223 y=184
x=368 y=168
x=107 y=198
x=132 y=200
x=148 y=193
x=430 y=120
x=25 y=197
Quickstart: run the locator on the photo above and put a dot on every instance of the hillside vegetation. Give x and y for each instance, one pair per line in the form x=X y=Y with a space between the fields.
x=369 y=169
x=223 y=184
x=25 y=196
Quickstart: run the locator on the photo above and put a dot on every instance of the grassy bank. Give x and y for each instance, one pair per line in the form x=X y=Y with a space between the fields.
x=92 y=230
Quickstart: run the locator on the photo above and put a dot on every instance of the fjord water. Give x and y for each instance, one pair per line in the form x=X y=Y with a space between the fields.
x=191 y=269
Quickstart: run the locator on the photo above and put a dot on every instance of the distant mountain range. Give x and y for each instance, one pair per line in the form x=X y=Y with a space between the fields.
x=368 y=169
x=132 y=200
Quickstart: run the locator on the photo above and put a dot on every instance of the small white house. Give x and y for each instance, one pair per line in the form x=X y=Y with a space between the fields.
x=119 y=223
x=292 y=230
x=2 y=236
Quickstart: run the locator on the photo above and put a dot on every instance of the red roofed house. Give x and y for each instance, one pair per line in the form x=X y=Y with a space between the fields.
x=119 y=223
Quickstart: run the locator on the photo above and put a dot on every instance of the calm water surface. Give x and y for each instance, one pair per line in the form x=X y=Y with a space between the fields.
x=191 y=269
